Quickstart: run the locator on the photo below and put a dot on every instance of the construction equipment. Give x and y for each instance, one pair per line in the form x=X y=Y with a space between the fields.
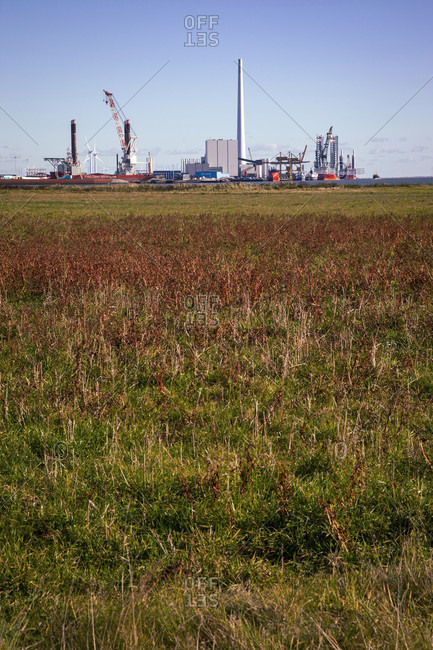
x=326 y=170
x=260 y=161
x=261 y=165
x=127 y=142
x=293 y=164
x=322 y=150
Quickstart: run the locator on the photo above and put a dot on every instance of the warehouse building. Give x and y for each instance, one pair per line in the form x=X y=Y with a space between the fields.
x=223 y=154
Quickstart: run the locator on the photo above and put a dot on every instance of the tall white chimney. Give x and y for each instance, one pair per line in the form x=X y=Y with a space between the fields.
x=241 y=121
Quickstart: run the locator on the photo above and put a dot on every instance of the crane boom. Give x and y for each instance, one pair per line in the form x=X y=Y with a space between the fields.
x=324 y=151
x=111 y=101
x=128 y=143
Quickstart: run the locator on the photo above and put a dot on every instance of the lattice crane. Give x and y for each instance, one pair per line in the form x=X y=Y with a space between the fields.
x=110 y=100
x=322 y=147
x=127 y=142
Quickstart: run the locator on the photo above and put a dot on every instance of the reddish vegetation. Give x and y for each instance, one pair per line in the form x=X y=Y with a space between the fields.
x=312 y=255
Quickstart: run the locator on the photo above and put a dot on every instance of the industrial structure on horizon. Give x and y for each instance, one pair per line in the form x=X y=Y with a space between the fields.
x=334 y=168
x=69 y=168
x=223 y=158
x=127 y=165
x=220 y=161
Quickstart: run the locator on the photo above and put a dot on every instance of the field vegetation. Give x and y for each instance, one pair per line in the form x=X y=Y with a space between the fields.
x=216 y=418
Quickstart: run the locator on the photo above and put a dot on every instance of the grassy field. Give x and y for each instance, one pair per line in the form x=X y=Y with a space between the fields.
x=216 y=418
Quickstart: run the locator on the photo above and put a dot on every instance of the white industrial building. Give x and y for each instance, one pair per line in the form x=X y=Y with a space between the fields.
x=224 y=154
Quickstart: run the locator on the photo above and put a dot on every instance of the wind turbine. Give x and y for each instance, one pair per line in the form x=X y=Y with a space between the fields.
x=92 y=157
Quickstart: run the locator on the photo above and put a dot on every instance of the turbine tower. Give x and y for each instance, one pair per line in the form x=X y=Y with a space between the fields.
x=92 y=157
x=241 y=120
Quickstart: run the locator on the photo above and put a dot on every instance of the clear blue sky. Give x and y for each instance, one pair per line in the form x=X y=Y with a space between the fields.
x=346 y=64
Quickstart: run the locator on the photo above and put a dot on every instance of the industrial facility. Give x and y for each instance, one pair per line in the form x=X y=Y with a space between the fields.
x=128 y=163
x=220 y=161
x=69 y=168
x=223 y=159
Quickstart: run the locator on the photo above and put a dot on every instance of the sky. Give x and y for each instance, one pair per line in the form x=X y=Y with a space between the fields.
x=308 y=65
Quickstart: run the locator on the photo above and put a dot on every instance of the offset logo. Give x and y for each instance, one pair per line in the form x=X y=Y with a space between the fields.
x=60 y=450
x=202 y=310
x=340 y=450
x=201 y=592
x=200 y=31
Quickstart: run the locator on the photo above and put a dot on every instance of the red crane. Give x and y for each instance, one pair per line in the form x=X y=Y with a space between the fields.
x=115 y=110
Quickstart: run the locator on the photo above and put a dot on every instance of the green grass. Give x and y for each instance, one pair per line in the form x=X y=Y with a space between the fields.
x=256 y=473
